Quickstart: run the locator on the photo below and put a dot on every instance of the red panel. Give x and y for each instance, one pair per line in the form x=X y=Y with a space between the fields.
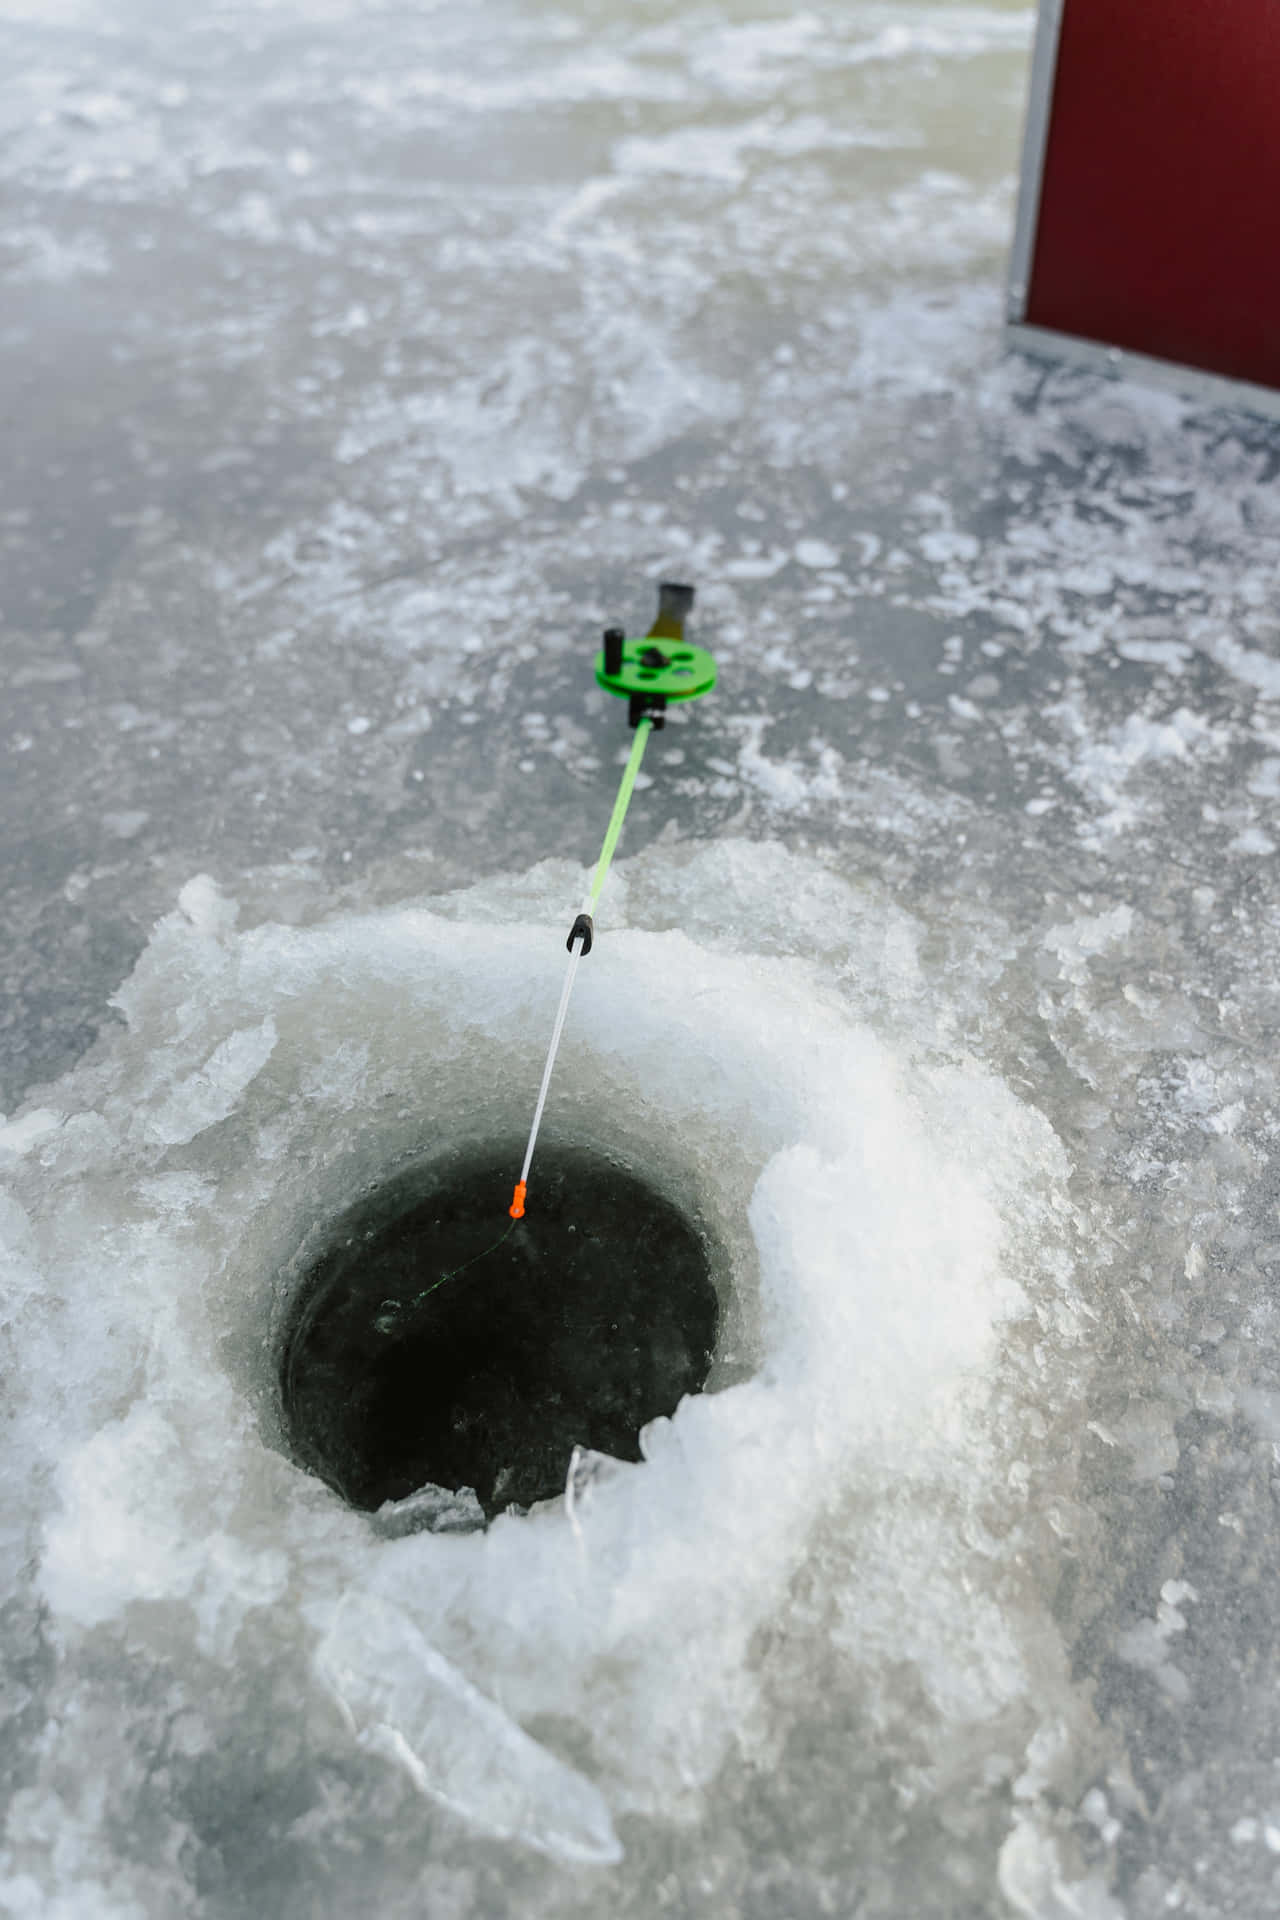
x=1159 y=222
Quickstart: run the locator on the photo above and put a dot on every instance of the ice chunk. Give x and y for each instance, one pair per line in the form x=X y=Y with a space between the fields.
x=206 y=906
x=588 y=1471
x=213 y=1091
x=19 y=1136
x=404 y=1699
x=1147 y=1644
x=816 y=553
x=430 y=1510
x=1032 y=1879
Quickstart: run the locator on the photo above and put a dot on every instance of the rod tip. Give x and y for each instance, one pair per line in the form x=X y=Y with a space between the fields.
x=516 y=1209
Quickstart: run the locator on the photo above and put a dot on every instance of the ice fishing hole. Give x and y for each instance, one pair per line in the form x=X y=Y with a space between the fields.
x=419 y=1352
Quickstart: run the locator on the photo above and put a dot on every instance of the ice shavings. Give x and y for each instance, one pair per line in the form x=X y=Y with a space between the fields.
x=1102 y=766
x=742 y=59
x=1147 y=1645
x=1039 y=1886
x=817 y=553
x=1146 y=1428
x=950 y=33
x=1132 y=543
x=1252 y=840
x=787 y=784
x=1074 y=944
x=106 y=1549
x=19 y=1136
x=205 y=905
x=1247 y=664
x=869 y=1209
x=1172 y=655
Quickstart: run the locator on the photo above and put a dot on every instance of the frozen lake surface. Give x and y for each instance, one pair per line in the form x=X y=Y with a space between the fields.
x=359 y=363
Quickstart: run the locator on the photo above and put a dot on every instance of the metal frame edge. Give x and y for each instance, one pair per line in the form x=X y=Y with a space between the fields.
x=1035 y=136
x=1120 y=363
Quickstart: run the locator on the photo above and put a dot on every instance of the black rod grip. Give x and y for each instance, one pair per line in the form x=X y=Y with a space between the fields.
x=674 y=599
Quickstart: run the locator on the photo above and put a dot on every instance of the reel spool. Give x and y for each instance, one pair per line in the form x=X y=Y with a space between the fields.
x=662 y=666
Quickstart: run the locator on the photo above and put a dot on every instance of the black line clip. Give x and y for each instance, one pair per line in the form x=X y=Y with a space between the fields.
x=582 y=929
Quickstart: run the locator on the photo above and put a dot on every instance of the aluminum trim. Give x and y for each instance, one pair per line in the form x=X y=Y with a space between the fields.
x=1035 y=138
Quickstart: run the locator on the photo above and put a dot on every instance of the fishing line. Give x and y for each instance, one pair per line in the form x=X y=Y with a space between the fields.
x=453 y=1272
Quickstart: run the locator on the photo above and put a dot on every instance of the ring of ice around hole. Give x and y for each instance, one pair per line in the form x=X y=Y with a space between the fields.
x=868 y=1198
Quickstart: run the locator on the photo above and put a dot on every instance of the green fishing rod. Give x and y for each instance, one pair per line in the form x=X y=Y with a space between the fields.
x=647 y=673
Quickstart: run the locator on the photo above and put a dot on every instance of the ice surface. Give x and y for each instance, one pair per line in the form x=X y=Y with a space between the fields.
x=362 y=361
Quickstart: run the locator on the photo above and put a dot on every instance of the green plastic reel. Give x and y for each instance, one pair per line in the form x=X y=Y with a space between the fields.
x=688 y=670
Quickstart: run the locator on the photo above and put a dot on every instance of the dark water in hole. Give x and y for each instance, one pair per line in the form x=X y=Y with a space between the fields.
x=593 y=1315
